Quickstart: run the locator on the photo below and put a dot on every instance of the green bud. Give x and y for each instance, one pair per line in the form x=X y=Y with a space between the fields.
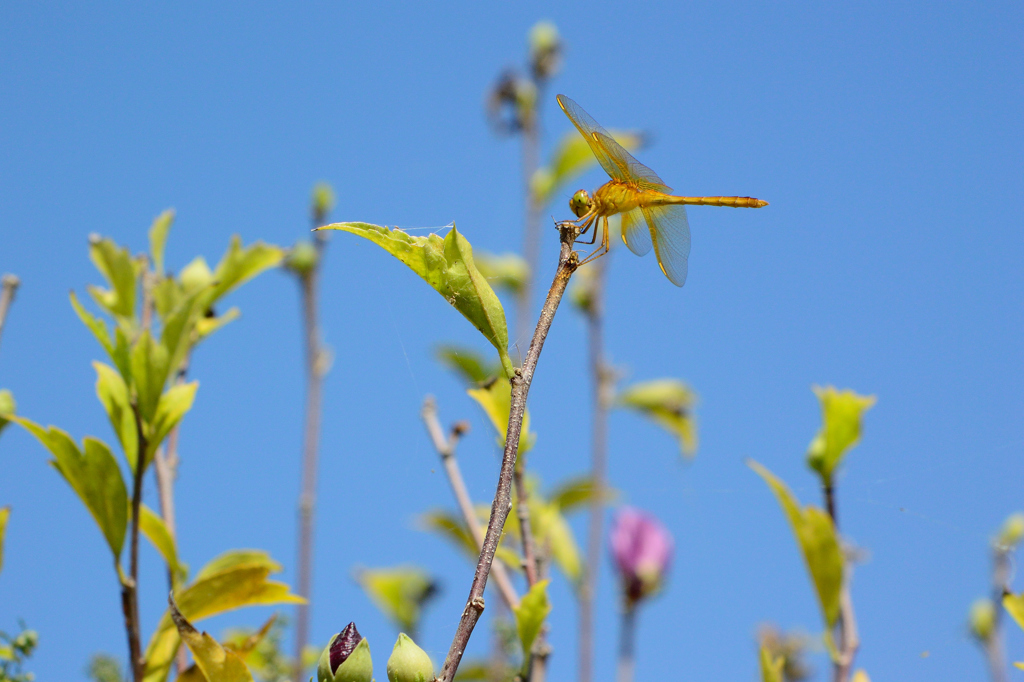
x=322 y=202
x=982 y=619
x=302 y=258
x=1012 y=531
x=545 y=50
x=7 y=406
x=409 y=663
x=346 y=658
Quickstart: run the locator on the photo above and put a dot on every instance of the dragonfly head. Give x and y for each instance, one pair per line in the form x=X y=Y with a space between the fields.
x=580 y=203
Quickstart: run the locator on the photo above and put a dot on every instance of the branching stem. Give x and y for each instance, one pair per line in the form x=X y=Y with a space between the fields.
x=567 y=264
x=446 y=450
x=849 y=639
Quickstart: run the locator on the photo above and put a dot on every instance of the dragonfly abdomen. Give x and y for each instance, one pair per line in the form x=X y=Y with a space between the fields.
x=735 y=202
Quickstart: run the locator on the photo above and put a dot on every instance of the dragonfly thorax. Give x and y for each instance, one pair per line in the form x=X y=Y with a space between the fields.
x=616 y=197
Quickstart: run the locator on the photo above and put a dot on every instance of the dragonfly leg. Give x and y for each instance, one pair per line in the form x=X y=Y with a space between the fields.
x=586 y=226
x=603 y=248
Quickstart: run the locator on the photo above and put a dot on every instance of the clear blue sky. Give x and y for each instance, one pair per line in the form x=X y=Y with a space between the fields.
x=887 y=138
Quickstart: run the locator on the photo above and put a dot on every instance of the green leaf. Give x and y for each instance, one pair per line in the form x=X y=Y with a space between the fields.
x=216 y=662
x=155 y=530
x=5 y=514
x=231 y=581
x=533 y=610
x=172 y=406
x=818 y=541
x=447 y=265
x=1014 y=605
x=208 y=325
x=496 y=399
x=117 y=267
x=554 y=532
x=150 y=366
x=7 y=407
x=841 y=414
x=239 y=265
x=509 y=271
x=578 y=492
x=472 y=367
x=669 y=403
x=113 y=393
x=399 y=592
x=158 y=238
x=93 y=475
x=771 y=667
x=195 y=276
x=454 y=529
x=572 y=157
x=118 y=352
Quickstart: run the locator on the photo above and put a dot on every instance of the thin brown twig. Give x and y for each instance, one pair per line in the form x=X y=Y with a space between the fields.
x=849 y=638
x=130 y=586
x=993 y=644
x=568 y=261
x=446 y=450
x=601 y=384
x=10 y=287
x=316 y=369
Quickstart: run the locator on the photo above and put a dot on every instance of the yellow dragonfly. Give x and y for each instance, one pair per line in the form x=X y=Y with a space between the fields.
x=650 y=213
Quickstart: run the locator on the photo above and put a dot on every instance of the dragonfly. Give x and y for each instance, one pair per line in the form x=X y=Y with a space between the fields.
x=651 y=214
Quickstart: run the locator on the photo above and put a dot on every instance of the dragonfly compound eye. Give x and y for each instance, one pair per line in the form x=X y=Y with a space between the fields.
x=580 y=203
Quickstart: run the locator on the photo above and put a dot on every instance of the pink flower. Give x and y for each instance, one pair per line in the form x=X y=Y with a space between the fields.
x=642 y=549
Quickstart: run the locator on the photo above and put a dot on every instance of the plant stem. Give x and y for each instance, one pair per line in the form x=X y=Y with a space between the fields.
x=849 y=639
x=316 y=369
x=446 y=449
x=530 y=558
x=10 y=286
x=993 y=644
x=130 y=586
x=568 y=261
x=627 y=645
x=602 y=389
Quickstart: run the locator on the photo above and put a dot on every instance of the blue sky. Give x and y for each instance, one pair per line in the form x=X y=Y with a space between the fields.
x=886 y=137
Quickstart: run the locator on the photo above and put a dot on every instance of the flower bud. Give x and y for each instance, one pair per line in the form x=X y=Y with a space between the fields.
x=409 y=663
x=322 y=202
x=545 y=50
x=1012 y=532
x=301 y=258
x=346 y=658
x=982 y=619
x=642 y=549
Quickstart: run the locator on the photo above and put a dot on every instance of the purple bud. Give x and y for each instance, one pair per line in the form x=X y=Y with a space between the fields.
x=343 y=645
x=642 y=549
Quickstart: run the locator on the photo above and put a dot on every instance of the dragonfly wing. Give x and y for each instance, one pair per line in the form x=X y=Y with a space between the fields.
x=671 y=233
x=635 y=233
x=635 y=172
x=589 y=128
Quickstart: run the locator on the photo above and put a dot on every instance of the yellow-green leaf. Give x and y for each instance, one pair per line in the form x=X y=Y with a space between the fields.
x=216 y=662
x=195 y=276
x=472 y=367
x=117 y=267
x=861 y=676
x=509 y=271
x=155 y=530
x=669 y=403
x=150 y=366
x=208 y=325
x=158 y=238
x=533 y=610
x=113 y=394
x=496 y=399
x=5 y=514
x=399 y=592
x=818 y=541
x=172 y=406
x=578 y=492
x=239 y=265
x=231 y=581
x=554 y=532
x=93 y=475
x=572 y=156
x=7 y=407
x=1014 y=605
x=771 y=667
x=841 y=415
x=446 y=265
x=454 y=529
x=1019 y=665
